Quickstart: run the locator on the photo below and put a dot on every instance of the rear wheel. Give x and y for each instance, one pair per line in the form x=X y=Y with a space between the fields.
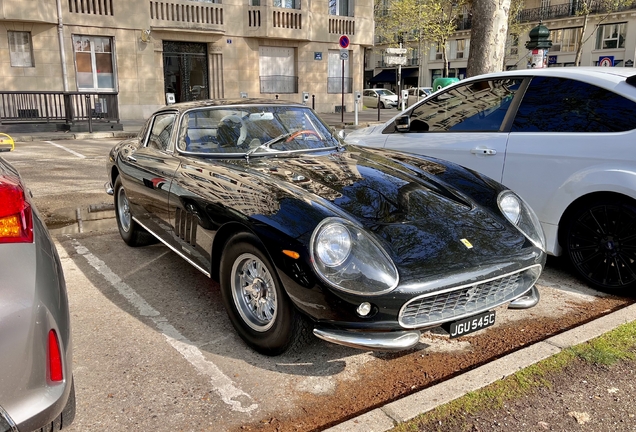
x=600 y=243
x=131 y=232
x=258 y=307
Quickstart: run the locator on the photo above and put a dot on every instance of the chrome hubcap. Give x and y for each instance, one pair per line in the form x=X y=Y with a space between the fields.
x=254 y=292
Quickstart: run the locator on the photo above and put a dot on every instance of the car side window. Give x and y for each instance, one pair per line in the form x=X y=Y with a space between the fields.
x=478 y=106
x=161 y=130
x=553 y=104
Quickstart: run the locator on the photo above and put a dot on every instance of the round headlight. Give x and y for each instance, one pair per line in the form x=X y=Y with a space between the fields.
x=510 y=207
x=333 y=245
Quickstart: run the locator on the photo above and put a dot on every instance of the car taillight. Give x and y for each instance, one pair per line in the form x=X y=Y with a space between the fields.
x=55 y=359
x=16 y=218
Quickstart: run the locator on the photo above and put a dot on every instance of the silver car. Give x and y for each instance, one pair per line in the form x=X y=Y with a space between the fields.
x=36 y=379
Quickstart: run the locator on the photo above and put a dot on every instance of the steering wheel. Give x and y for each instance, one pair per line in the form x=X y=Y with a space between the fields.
x=236 y=119
x=301 y=132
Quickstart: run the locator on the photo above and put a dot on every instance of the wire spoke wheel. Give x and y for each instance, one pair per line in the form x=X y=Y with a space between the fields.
x=601 y=244
x=254 y=292
x=123 y=210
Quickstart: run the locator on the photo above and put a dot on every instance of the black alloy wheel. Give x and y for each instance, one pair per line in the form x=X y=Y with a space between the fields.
x=601 y=244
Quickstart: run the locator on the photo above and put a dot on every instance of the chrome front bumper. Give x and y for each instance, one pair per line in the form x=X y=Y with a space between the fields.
x=401 y=340
x=108 y=187
x=381 y=341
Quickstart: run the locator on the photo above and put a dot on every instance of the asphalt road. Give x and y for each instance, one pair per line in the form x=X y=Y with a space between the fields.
x=153 y=347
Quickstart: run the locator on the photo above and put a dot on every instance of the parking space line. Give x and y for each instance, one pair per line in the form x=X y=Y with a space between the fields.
x=79 y=155
x=223 y=385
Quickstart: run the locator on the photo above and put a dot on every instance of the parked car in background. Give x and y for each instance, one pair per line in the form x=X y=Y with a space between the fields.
x=366 y=247
x=415 y=95
x=562 y=138
x=36 y=378
x=387 y=99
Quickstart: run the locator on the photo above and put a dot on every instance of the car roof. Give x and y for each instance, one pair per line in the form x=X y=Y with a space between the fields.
x=184 y=106
x=620 y=79
x=583 y=73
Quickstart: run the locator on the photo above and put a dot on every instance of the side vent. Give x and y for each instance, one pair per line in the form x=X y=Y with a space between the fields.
x=185 y=226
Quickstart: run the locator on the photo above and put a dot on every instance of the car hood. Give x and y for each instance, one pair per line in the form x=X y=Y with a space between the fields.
x=357 y=135
x=412 y=204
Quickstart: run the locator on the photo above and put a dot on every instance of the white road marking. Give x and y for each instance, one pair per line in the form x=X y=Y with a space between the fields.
x=79 y=155
x=222 y=384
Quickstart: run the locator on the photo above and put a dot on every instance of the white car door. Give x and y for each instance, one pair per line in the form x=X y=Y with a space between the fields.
x=464 y=124
x=569 y=138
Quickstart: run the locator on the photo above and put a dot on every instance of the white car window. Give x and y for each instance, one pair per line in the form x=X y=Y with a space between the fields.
x=479 y=106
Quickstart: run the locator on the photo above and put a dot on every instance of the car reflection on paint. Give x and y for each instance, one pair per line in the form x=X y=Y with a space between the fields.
x=360 y=247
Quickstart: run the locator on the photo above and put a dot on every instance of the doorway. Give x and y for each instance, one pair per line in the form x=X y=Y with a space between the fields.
x=185 y=70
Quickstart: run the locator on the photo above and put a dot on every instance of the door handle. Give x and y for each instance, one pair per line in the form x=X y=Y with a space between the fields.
x=483 y=151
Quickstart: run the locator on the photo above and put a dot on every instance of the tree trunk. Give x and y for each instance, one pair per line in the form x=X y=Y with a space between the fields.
x=579 y=48
x=488 y=36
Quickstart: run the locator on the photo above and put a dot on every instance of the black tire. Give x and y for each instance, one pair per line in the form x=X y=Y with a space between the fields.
x=131 y=232
x=67 y=415
x=600 y=243
x=381 y=105
x=258 y=307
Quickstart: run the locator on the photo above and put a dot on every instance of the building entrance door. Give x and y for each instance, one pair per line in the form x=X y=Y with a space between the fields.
x=185 y=70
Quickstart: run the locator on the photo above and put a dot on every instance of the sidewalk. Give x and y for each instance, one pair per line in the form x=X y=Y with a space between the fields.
x=366 y=117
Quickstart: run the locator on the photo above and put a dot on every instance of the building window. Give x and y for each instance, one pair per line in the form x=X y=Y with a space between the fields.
x=20 y=49
x=512 y=45
x=288 y=4
x=94 y=62
x=611 y=36
x=458 y=49
x=335 y=74
x=565 y=40
x=277 y=69
x=341 y=7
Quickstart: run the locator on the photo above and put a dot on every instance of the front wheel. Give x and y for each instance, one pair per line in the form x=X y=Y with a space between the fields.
x=258 y=307
x=381 y=105
x=600 y=243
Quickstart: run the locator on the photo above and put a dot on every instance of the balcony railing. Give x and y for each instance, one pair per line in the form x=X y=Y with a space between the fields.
x=58 y=108
x=186 y=14
x=279 y=84
x=566 y=10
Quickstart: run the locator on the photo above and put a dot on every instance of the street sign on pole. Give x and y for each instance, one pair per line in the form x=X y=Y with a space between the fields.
x=344 y=54
x=396 y=51
x=395 y=60
x=344 y=41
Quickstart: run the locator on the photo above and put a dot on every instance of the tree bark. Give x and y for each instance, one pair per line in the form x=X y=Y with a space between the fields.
x=488 y=36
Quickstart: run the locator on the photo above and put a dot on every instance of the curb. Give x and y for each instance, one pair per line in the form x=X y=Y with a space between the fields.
x=390 y=415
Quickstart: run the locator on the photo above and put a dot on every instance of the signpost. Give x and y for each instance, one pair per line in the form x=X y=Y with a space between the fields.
x=396 y=58
x=344 y=55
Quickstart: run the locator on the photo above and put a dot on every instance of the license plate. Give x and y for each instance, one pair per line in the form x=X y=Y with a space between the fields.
x=471 y=324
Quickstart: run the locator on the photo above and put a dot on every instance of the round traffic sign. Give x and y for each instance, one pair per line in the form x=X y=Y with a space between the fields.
x=344 y=41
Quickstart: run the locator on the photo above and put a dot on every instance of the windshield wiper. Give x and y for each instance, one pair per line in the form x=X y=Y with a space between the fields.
x=268 y=143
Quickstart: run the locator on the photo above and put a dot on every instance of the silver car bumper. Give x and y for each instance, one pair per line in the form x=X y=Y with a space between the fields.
x=381 y=341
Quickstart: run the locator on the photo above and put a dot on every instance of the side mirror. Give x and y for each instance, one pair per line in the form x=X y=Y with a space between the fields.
x=403 y=123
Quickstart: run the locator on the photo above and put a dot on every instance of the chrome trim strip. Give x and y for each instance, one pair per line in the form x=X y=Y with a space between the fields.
x=197 y=266
x=527 y=300
x=460 y=287
x=377 y=341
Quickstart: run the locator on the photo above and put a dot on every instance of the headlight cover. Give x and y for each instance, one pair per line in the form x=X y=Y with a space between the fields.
x=522 y=216
x=350 y=260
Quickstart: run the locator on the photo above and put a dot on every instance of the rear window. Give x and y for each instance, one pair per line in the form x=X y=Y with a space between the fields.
x=564 y=105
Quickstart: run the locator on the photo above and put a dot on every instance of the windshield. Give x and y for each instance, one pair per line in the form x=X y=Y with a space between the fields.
x=253 y=130
x=384 y=92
